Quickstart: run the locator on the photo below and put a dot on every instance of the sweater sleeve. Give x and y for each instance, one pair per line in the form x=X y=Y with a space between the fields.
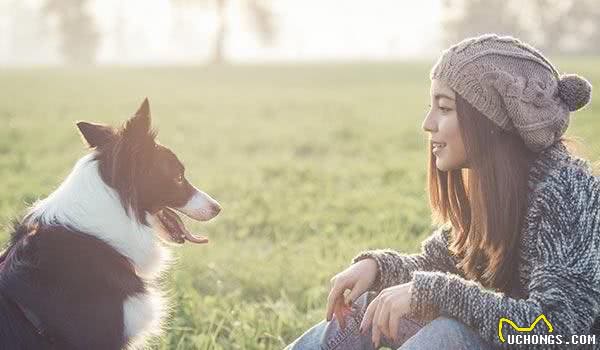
x=396 y=268
x=565 y=272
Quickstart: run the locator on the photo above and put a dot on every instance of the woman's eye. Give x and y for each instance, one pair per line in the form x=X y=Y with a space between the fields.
x=445 y=110
x=179 y=179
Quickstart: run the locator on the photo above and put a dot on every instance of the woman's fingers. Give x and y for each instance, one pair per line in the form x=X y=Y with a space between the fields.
x=331 y=301
x=341 y=311
x=369 y=313
x=375 y=336
x=336 y=293
x=382 y=319
x=338 y=314
x=394 y=325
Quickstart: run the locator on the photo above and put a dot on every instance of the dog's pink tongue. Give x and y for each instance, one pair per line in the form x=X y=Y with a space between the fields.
x=175 y=224
x=194 y=238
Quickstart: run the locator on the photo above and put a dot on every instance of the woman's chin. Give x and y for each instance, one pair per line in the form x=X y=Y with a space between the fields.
x=440 y=165
x=445 y=167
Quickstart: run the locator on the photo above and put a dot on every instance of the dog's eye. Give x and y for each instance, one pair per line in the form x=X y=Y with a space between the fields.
x=179 y=179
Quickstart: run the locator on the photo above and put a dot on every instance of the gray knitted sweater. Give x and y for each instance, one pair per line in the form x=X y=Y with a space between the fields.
x=559 y=265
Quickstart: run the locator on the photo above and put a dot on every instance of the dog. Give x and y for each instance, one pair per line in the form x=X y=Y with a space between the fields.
x=79 y=269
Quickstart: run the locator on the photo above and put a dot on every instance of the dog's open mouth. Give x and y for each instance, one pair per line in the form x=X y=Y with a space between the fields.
x=172 y=224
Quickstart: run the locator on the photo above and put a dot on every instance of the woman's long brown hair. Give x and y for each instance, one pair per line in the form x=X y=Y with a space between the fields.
x=486 y=202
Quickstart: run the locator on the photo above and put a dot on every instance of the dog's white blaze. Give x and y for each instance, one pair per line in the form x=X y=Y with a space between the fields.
x=84 y=202
x=201 y=206
x=142 y=314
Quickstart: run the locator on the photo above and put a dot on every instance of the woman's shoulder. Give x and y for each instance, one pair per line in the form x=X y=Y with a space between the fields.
x=566 y=203
x=558 y=175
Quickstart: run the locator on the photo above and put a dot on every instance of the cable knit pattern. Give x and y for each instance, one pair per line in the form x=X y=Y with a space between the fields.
x=559 y=264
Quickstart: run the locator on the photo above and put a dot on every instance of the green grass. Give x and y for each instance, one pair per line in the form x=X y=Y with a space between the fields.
x=311 y=163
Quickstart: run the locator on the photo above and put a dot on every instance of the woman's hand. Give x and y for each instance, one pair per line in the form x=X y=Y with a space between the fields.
x=358 y=277
x=385 y=311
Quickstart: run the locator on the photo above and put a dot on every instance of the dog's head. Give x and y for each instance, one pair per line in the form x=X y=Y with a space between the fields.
x=148 y=176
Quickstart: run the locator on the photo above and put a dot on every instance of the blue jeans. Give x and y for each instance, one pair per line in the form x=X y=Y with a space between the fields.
x=441 y=333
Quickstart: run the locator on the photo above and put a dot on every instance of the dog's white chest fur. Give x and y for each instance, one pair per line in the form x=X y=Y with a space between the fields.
x=142 y=315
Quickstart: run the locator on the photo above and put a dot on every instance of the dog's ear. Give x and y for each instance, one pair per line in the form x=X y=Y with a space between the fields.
x=96 y=135
x=139 y=124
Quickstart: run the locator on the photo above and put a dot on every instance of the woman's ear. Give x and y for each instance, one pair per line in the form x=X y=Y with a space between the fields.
x=96 y=135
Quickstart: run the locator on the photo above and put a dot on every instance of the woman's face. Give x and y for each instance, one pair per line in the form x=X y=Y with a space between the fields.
x=442 y=124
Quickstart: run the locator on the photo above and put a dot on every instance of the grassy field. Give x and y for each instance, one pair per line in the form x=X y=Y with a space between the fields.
x=311 y=163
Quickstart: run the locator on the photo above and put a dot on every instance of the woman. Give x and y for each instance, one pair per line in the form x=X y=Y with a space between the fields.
x=518 y=216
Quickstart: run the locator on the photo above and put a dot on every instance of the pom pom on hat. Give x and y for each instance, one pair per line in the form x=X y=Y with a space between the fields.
x=575 y=91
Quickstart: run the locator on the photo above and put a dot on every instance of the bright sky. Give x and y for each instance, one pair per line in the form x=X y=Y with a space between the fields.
x=307 y=30
x=155 y=31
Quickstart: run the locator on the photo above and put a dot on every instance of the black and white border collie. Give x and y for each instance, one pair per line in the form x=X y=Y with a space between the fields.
x=78 y=272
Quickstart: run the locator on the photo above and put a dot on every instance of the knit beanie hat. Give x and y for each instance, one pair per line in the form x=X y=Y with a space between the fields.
x=513 y=85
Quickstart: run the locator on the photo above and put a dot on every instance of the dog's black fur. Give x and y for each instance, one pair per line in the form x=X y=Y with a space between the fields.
x=75 y=283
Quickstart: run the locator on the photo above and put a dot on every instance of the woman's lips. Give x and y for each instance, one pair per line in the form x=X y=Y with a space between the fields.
x=437 y=147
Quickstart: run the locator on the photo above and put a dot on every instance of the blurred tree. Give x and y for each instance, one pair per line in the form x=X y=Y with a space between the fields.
x=258 y=12
x=78 y=37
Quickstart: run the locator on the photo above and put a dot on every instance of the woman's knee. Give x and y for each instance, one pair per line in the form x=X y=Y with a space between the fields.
x=330 y=335
x=445 y=331
x=449 y=328
x=447 y=324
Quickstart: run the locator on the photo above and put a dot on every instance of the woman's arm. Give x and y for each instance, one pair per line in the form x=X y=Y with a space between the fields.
x=396 y=268
x=565 y=272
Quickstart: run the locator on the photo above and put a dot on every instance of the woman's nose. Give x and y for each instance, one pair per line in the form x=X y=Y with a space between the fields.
x=429 y=124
